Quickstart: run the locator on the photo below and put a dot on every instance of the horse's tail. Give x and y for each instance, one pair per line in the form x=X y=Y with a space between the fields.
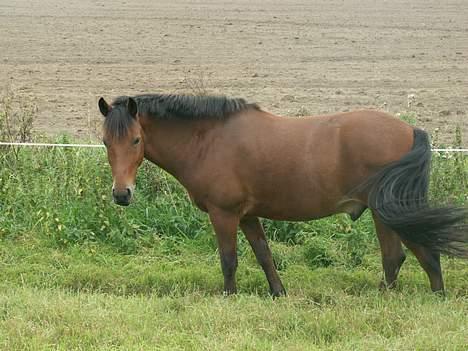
x=398 y=195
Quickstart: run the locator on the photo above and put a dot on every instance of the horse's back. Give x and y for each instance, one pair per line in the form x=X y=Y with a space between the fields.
x=358 y=139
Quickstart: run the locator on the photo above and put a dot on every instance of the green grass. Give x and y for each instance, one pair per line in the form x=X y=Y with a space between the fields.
x=79 y=273
x=88 y=298
x=70 y=321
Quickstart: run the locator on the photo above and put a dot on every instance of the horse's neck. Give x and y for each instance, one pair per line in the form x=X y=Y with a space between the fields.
x=175 y=145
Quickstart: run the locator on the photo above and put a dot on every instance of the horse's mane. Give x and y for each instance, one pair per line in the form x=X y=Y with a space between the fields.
x=171 y=106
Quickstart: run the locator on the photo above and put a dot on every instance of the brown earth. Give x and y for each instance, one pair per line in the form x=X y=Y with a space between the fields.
x=293 y=57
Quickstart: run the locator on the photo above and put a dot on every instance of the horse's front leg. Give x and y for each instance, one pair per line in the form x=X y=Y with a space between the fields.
x=225 y=226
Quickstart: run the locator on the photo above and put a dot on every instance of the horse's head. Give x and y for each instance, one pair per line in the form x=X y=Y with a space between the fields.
x=124 y=141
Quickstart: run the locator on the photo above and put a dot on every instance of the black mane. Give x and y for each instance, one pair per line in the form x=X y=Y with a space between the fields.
x=168 y=106
x=187 y=106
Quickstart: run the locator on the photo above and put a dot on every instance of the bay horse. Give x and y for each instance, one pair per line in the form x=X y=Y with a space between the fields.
x=239 y=162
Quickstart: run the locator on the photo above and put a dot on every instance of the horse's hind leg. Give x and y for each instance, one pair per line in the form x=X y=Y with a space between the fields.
x=430 y=262
x=393 y=255
x=254 y=233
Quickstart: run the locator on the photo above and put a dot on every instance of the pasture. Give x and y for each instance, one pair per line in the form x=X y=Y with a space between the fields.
x=80 y=273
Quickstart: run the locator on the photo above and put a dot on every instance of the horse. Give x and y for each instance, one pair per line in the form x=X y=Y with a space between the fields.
x=240 y=163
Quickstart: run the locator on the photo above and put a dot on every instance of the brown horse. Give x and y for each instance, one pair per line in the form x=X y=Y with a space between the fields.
x=239 y=163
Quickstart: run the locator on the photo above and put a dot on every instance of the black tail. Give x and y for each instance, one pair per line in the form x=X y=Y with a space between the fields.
x=398 y=194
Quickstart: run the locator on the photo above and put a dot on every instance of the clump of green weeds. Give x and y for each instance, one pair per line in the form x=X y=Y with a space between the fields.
x=16 y=123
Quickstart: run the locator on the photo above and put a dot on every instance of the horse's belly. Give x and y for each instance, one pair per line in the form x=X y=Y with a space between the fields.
x=279 y=215
x=294 y=206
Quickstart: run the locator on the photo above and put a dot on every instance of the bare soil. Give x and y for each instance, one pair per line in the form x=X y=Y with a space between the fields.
x=293 y=57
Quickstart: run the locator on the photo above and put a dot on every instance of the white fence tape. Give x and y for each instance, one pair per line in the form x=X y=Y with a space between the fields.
x=50 y=145
x=450 y=150
x=101 y=146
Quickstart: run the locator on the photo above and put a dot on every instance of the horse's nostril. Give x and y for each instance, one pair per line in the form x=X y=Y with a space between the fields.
x=128 y=192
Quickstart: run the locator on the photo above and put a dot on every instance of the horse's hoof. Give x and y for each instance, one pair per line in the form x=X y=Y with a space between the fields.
x=279 y=293
x=229 y=292
x=384 y=286
x=440 y=293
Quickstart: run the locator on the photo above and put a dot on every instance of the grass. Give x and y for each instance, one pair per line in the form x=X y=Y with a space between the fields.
x=89 y=298
x=79 y=273
x=62 y=320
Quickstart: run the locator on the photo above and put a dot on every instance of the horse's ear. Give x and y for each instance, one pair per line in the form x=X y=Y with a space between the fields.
x=132 y=107
x=104 y=107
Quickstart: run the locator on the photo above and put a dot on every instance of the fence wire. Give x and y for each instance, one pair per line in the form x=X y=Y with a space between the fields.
x=102 y=146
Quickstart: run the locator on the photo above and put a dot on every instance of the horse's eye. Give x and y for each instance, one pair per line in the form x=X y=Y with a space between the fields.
x=136 y=141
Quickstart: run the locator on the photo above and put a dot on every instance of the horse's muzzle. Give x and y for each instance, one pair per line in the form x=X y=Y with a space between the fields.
x=122 y=197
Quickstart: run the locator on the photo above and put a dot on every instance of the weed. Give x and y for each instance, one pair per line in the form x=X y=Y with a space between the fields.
x=16 y=122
